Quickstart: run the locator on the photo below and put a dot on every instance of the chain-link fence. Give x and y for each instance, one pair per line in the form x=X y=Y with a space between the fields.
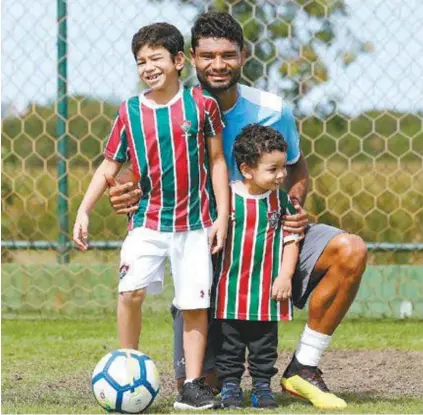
x=352 y=71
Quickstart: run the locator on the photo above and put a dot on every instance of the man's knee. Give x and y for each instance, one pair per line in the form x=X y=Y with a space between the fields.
x=351 y=255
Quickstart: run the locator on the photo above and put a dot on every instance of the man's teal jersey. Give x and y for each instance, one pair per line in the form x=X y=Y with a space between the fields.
x=255 y=106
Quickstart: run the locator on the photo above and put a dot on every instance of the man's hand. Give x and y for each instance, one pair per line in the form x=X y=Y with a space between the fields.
x=281 y=288
x=218 y=232
x=296 y=223
x=123 y=197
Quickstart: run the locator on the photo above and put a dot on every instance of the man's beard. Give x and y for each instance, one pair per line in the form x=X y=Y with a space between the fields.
x=215 y=89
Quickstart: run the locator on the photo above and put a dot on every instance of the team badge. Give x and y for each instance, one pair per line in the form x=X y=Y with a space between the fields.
x=123 y=270
x=185 y=125
x=274 y=218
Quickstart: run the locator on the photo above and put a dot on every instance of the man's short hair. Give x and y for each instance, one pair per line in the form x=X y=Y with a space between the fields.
x=156 y=35
x=220 y=25
x=253 y=141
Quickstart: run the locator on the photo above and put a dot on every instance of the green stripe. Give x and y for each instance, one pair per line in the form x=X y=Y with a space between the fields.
x=134 y=118
x=258 y=261
x=190 y=110
x=164 y=134
x=234 y=271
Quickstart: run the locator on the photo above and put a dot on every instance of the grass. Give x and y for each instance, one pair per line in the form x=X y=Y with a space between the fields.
x=46 y=362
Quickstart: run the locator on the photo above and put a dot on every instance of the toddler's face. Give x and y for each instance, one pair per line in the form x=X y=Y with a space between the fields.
x=270 y=172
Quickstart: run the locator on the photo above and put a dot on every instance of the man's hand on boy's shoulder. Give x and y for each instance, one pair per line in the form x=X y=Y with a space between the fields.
x=297 y=222
x=124 y=193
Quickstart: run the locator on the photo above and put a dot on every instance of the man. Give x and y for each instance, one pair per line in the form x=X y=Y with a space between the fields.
x=331 y=261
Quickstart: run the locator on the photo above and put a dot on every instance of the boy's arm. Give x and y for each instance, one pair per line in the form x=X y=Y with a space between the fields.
x=282 y=286
x=220 y=182
x=95 y=189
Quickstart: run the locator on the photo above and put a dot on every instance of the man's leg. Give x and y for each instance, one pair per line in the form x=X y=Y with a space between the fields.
x=343 y=263
x=334 y=283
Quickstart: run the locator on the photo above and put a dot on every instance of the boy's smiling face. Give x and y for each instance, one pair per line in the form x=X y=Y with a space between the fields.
x=268 y=174
x=156 y=67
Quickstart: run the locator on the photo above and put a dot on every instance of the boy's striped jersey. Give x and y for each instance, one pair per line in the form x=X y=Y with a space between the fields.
x=252 y=258
x=167 y=147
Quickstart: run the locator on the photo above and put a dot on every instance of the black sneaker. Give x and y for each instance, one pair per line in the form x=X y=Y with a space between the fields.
x=262 y=396
x=231 y=395
x=195 y=395
x=307 y=382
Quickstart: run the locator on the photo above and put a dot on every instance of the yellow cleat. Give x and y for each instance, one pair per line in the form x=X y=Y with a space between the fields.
x=306 y=382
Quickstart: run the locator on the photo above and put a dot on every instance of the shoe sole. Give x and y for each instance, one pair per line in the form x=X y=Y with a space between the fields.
x=186 y=407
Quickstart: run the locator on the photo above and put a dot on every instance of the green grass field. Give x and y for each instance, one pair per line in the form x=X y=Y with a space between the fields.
x=46 y=362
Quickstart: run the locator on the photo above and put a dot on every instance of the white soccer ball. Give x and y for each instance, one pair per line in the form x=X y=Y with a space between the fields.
x=125 y=381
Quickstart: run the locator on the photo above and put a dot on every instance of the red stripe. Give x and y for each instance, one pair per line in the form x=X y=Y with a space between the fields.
x=153 y=160
x=247 y=251
x=284 y=310
x=181 y=166
x=205 y=203
x=114 y=137
x=268 y=263
x=221 y=285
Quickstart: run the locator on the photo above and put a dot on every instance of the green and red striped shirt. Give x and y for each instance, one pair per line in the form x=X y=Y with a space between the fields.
x=252 y=258
x=167 y=147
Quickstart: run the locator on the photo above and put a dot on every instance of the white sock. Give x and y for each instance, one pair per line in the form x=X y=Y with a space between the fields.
x=188 y=381
x=311 y=347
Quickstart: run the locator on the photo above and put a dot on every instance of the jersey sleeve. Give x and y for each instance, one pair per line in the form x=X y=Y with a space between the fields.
x=116 y=147
x=288 y=209
x=288 y=128
x=213 y=122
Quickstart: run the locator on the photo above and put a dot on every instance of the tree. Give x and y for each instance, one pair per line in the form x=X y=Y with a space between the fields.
x=286 y=40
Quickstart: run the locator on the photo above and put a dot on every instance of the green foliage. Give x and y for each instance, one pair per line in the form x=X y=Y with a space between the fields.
x=274 y=35
x=366 y=172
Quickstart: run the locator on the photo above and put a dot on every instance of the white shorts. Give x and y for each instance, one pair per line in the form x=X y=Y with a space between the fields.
x=142 y=264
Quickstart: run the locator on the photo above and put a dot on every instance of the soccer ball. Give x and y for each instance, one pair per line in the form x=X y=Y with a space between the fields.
x=125 y=381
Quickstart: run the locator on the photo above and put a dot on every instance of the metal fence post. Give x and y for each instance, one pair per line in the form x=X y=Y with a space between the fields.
x=62 y=139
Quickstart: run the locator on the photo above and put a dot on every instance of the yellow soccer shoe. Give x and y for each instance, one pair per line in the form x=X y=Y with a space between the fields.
x=307 y=382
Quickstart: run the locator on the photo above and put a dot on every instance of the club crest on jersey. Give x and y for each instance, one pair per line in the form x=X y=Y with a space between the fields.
x=123 y=270
x=185 y=125
x=274 y=218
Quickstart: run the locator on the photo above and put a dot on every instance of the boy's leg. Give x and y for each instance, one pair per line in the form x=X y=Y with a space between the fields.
x=141 y=267
x=262 y=343
x=192 y=275
x=209 y=371
x=129 y=318
x=230 y=360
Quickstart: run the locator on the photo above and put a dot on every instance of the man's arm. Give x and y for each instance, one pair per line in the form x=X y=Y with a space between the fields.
x=296 y=184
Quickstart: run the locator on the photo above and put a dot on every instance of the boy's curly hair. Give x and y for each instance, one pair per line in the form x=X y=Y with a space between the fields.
x=253 y=141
